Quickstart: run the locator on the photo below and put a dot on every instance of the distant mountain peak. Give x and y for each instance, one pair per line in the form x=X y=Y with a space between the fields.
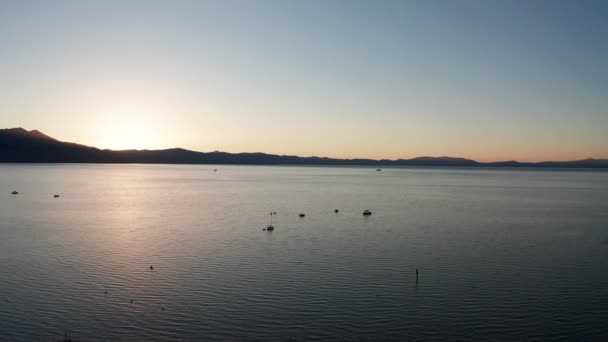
x=440 y=158
x=20 y=130
x=33 y=133
x=39 y=134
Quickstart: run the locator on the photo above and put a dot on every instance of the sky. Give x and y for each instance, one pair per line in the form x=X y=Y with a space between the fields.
x=488 y=80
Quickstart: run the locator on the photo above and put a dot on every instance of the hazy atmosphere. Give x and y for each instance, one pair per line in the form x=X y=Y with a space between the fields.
x=488 y=80
x=426 y=170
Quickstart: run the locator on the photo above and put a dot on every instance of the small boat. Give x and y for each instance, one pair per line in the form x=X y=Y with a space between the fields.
x=302 y=215
x=366 y=212
x=15 y=192
x=55 y=196
x=378 y=169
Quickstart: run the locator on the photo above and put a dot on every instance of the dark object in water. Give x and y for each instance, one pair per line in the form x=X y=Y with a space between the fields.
x=66 y=337
x=336 y=211
x=302 y=215
x=151 y=267
x=14 y=192
x=131 y=301
x=270 y=227
x=214 y=169
x=366 y=212
x=55 y=196
x=378 y=169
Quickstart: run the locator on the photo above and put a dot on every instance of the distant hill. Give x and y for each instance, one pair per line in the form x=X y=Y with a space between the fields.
x=18 y=145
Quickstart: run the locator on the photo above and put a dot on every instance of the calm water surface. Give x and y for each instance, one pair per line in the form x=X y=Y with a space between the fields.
x=502 y=254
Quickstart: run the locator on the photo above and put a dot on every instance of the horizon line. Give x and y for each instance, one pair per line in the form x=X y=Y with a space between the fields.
x=43 y=135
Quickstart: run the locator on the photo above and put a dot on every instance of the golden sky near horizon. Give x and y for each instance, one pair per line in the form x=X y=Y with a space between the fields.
x=486 y=81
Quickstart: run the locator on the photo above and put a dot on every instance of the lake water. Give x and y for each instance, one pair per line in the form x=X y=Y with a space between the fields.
x=502 y=254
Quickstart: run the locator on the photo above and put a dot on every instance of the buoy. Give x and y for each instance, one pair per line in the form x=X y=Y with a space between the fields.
x=270 y=227
x=336 y=211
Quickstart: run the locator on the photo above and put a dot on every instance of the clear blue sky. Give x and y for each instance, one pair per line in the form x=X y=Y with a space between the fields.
x=489 y=80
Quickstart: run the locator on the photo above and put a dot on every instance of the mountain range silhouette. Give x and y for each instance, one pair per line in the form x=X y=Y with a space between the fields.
x=18 y=145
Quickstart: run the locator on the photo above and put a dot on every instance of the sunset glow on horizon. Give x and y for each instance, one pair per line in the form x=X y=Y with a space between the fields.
x=484 y=80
